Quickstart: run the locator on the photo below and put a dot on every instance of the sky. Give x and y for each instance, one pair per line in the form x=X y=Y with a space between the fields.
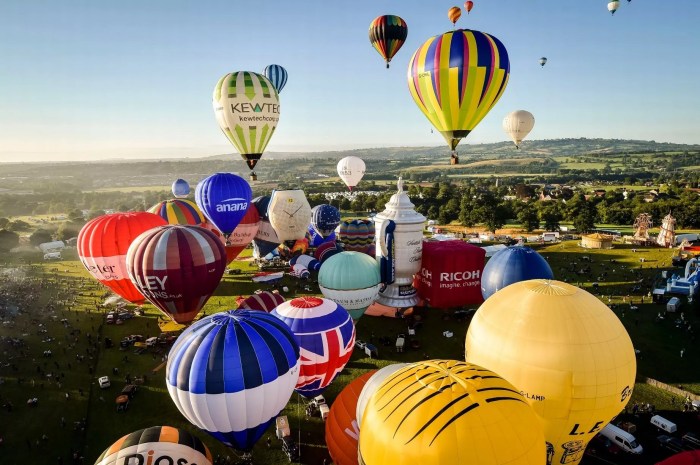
x=90 y=80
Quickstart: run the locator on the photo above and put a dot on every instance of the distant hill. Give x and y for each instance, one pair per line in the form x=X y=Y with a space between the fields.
x=538 y=156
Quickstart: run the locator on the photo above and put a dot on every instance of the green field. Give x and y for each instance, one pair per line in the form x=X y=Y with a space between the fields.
x=64 y=290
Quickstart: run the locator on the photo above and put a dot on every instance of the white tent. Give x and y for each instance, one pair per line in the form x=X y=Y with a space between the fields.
x=492 y=249
x=55 y=245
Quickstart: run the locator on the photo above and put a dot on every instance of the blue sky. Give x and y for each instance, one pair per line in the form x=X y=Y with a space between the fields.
x=134 y=78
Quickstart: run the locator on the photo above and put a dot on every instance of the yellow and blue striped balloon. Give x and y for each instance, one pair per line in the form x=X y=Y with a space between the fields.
x=456 y=78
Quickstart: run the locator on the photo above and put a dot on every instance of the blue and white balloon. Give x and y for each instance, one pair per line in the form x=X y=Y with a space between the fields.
x=181 y=188
x=224 y=199
x=324 y=219
x=231 y=374
x=277 y=76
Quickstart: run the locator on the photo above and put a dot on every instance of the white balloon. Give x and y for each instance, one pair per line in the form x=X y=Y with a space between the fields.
x=351 y=170
x=371 y=387
x=518 y=125
x=289 y=213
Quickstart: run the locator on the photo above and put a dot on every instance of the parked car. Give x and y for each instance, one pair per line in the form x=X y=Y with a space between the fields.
x=691 y=439
x=104 y=382
x=672 y=444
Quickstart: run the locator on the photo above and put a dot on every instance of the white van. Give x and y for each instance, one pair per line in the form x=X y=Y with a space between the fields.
x=151 y=341
x=621 y=439
x=664 y=424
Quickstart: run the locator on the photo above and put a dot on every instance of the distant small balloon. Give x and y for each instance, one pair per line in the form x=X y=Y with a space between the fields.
x=181 y=188
x=454 y=14
x=543 y=61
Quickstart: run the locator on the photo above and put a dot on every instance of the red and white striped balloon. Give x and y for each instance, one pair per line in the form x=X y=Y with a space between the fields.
x=177 y=268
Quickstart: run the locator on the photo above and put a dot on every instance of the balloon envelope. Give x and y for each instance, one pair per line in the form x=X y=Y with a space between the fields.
x=244 y=233
x=351 y=170
x=468 y=6
x=342 y=430
x=277 y=76
x=454 y=13
x=444 y=411
x=543 y=61
x=174 y=445
x=231 y=374
x=613 y=6
x=456 y=78
x=450 y=274
x=290 y=214
x=178 y=211
x=180 y=188
x=315 y=239
x=512 y=265
x=518 y=125
x=224 y=199
x=247 y=108
x=327 y=250
x=357 y=236
x=351 y=279
x=326 y=337
x=565 y=350
x=177 y=268
x=324 y=219
x=265 y=300
x=102 y=245
x=387 y=34
x=372 y=385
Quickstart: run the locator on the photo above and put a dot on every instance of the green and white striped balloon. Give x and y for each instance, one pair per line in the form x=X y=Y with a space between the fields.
x=247 y=108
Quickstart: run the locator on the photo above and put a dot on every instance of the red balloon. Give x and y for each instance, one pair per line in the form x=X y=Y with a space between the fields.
x=265 y=300
x=684 y=458
x=177 y=268
x=102 y=246
x=241 y=236
x=342 y=430
x=468 y=6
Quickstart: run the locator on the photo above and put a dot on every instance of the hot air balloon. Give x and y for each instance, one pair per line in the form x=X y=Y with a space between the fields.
x=290 y=214
x=444 y=411
x=308 y=261
x=157 y=444
x=102 y=245
x=351 y=170
x=543 y=61
x=324 y=219
x=387 y=34
x=244 y=233
x=613 y=6
x=315 y=239
x=265 y=240
x=224 y=200
x=326 y=337
x=180 y=188
x=690 y=457
x=450 y=274
x=231 y=373
x=351 y=279
x=468 y=6
x=177 y=268
x=178 y=211
x=512 y=265
x=565 y=350
x=265 y=300
x=327 y=250
x=456 y=78
x=247 y=108
x=518 y=125
x=372 y=385
x=357 y=236
x=342 y=430
x=277 y=75
x=453 y=14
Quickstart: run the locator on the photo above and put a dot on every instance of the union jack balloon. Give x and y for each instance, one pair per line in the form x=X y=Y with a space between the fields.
x=326 y=337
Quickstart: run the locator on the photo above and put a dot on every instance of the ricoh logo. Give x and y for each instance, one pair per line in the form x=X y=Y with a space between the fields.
x=232 y=205
x=460 y=276
x=151 y=459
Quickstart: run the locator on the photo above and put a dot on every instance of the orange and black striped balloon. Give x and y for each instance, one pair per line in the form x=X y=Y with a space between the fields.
x=445 y=411
x=387 y=34
x=157 y=444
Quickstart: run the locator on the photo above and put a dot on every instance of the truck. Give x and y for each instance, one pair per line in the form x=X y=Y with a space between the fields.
x=320 y=403
x=663 y=424
x=621 y=439
x=674 y=303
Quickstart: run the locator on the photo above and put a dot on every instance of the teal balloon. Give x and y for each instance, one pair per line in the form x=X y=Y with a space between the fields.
x=351 y=279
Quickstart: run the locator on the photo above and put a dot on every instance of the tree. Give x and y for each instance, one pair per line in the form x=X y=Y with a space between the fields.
x=527 y=217
x=67 y=230
x=18 y=225
x=4 y=222
x=8 y=240
x=584 y=221
x=551 y=215
x=40 y=236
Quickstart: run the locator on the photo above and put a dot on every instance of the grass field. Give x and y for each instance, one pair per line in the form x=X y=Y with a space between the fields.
x=64 y=290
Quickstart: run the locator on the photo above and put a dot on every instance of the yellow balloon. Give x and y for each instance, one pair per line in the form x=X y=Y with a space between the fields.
x=565 y=350
x=438 y=412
